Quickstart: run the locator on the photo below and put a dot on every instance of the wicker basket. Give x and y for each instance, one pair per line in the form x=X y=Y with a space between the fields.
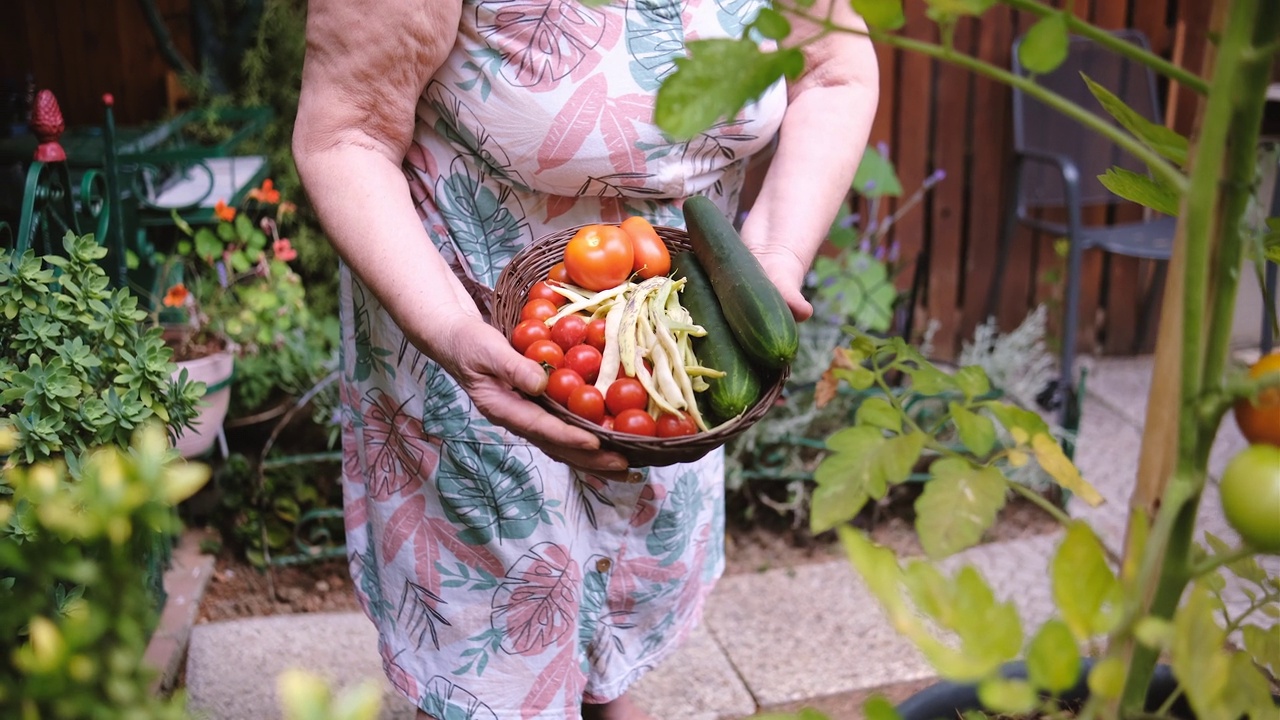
x=531 y=265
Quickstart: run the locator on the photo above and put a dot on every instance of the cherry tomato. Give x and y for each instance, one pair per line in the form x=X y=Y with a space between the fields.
x=626 y=394
x=527 y=332
x=650 y=256
x=595 y=334
x=607 y=422
x=542 y=290
x=559 y=274
x=1250 y=491
x=675 y=425
x=538 y=309
x=568 y=331
x=562 y=383
x=1260 y=422
x=635 y=422
x=545 y=352
x=585 y=360
x=599 y=257
x=587 y=402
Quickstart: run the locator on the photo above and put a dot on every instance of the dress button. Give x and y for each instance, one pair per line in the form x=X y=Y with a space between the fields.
x=603 y=565
x=635 y=477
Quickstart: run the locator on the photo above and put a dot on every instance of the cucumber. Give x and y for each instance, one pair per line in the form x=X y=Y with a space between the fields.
x=753 y=307
x=739 y=389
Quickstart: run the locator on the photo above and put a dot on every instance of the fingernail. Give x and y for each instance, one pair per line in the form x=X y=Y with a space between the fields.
x=616 y=465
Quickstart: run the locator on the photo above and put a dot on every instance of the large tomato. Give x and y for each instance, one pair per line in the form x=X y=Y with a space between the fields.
x=1260 y=422
x=651 y=257
x=1250 y=491
x=599 y=257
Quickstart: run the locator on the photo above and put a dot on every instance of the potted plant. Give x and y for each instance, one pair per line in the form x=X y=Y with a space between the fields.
x=1159 y=602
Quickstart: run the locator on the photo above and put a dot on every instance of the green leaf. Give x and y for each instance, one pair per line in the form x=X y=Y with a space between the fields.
x=863 y=464
x=929 y=380
x=699 y=92
x=1106 y=679
x=1053 y=658
x=1086 y=591
x=943 y=11
x=880 y=413
x=1141 y=189
x=226 y=231
x=1164 y=140
x=882 y=14
x=240 y=262
x=1153 y=632
x=244 y=227
x=208 y=246
x=1022 y=424
x=1196 y=654
x=958 y=505
x=1263 y=645
x=1008 y=696
x=772 y=24
x=1054 y=461
x=989 y=631
x=878 y=707
x=973 y=381
x=859 y=378
x=876 y=176
x=977 y=432
x=1044 y=47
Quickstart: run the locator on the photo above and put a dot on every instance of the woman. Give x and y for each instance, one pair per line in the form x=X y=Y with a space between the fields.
x=512 y=567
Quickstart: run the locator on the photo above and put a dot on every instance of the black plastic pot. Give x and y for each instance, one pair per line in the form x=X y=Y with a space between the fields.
x=946 y=700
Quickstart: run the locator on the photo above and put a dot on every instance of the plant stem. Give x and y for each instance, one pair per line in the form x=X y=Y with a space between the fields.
x=1217 y=561
x=1182 y=76
x=1041 y=502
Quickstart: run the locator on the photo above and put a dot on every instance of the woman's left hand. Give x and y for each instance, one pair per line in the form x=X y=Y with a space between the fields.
x=785 y=269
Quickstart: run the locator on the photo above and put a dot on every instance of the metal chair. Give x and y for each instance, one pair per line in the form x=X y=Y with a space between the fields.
x=1056 y=165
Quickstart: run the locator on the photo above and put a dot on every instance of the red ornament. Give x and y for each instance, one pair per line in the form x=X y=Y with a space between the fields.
x=46 y=121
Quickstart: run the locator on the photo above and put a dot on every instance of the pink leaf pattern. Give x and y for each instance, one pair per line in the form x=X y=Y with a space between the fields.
x=401 y=452
x=558 y=205
x=355 y=512
x=621 y=137
x=399 y=677
x=541 y=41
x=538 y=605
x=560 y=675
x=402 y=525
x=630 y=574
x=575 y=121
x=648 y=504
x=476 y=556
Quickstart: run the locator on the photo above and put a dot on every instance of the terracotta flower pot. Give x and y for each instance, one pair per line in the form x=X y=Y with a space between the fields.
x=215 y=372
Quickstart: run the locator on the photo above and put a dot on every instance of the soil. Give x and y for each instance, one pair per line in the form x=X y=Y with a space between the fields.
x=768 y=541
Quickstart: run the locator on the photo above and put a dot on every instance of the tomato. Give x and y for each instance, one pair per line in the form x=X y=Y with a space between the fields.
x=585 y=360
x=650 y=256
x=626 y=394
x=587 y=403
x=607 y=422
x=545 y=352
x=559 y=274
x=1260 y=422
x=675 y=425
x=541 y=290
x=538 y=309
x=599 y=257
x=562 y=383
x=1250 y=491
x=527 y=332
x=635 y=422
x=568 y=331
x=595 y=334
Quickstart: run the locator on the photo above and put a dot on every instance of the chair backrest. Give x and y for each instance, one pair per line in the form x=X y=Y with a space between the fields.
x=1038 y=127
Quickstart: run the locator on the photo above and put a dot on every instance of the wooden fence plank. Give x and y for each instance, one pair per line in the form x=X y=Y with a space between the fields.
x=912 y=114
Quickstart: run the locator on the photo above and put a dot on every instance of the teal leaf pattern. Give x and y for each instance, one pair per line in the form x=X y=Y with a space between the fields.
x=462 y=127
x=364 y=573
x=674 y=526
x=368 y=357
x=491 y=492
x=445 y=700
x=655 y=36
x=485 y=231
x=735 y=15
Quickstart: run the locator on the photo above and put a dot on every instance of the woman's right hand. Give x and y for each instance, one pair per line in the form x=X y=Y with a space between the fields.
x=494 y=375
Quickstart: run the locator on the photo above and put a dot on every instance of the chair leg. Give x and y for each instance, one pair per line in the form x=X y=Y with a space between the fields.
x=1269 y=309
x=1154 y=293
x=1007 y=228
x=1070 y=329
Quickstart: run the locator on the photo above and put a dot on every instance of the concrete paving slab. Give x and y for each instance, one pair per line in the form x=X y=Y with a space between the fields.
x=232 y=666
x=1120 y=383
x=696 y=683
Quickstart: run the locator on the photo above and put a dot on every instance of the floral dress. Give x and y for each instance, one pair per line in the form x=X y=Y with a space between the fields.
x=503 y=584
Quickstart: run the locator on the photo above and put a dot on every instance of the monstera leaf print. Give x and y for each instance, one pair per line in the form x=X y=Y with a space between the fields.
x=715 y=550
x=401 y=455
x=395 y=672
x=367 y=355
x=635 y=579
x=462 y=127
x=446 y=410
x=655 y=37
x=595 y=621
x=490 y=490
x=675 y=523
x=443 y=700
x=537 y=605
x=364 y=574
x=541 y=41
x=484 y=229
x=734 y=15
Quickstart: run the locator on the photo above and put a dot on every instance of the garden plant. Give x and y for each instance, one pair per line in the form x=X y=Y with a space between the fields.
x=1161 y=600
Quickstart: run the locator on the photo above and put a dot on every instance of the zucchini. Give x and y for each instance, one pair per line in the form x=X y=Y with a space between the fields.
x=739 y=389
x=753 y=307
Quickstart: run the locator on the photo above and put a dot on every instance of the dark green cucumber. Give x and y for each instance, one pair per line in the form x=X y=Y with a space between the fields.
x=753 y=307
x=739 y=389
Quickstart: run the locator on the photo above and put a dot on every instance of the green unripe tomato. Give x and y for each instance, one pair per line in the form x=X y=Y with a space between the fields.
x=1250 y=491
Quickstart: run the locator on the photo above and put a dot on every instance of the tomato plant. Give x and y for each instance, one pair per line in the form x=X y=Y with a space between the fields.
x=585 y=360
x=1259 y=421
x=626 y=394
x=541 y=290
x=527 y=332
x=538 y=309
x=587 y=402
x=635 y=422
x=651 y=257
x=562 y=382
x=568 y=331
x=545 y=352
x=599 y=257
x=675 y=425
x=1250 y=491
x=596 y=335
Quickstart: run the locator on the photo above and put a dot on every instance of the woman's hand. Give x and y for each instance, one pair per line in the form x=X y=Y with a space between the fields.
x=787 y=271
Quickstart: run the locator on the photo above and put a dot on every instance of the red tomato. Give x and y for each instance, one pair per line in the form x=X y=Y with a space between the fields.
x=542 y=290
x=675 y=425
x=545 y=352
x=562 y=383
x=626 y=394
x=599 y=257
x=568 y=331
x=527 y=332
x=595 y=334
x=607 y=422
x=635 y=422
x=585 y=360
x=538 y=309
x=650 y=256
x=587 y=402
x=559 y=274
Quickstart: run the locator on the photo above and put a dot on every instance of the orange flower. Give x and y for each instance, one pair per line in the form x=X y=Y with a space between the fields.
x=224 y=212
x=176 y=296
x=265 y=194
x=283 y=249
